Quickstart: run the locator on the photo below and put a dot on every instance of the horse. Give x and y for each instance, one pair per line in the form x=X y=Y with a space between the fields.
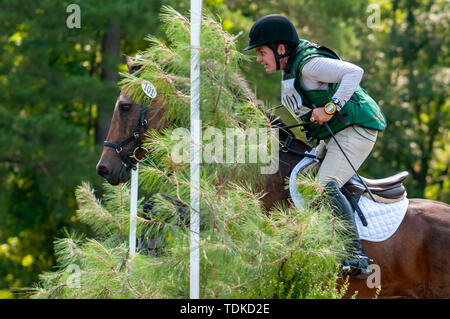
x=413 y=263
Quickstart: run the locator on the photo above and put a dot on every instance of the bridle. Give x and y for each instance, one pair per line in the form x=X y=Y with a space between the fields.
x=127 y=158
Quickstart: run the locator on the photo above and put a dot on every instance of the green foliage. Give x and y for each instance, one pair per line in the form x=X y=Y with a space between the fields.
x=52 y=94
x=245 y=251
x=408 y=75
x=39 y=183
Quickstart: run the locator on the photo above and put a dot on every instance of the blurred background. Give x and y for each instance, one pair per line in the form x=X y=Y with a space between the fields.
x=58 y=87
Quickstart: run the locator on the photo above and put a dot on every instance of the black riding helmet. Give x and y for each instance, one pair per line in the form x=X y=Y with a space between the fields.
x=271 y=29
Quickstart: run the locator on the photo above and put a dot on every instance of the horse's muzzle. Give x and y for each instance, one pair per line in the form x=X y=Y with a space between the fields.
x=113 y=176
x=103 y=169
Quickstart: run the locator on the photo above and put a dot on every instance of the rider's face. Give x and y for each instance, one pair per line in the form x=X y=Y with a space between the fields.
x=266 y=58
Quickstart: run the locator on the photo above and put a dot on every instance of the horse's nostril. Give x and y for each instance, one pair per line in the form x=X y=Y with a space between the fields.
x=103 y=170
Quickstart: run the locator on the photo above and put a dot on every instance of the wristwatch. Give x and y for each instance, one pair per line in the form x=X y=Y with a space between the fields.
x=333 y=106
x=330 y=108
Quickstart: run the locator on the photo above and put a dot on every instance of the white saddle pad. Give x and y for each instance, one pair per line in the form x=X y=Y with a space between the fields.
x=382 y=219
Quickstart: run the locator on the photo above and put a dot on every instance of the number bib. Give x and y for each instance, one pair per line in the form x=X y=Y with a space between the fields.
x=148 y=89
x=291 y=99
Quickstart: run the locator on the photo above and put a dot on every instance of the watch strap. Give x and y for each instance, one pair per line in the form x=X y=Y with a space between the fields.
x=337 y=102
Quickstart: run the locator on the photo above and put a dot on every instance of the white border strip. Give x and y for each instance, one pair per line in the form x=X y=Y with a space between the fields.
x=133 y=209
x=196 y=18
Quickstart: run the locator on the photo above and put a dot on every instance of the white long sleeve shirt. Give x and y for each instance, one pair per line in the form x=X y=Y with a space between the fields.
x=318 y=72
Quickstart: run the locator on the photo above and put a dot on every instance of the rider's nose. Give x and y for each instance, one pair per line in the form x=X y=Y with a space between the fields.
x=103 y=169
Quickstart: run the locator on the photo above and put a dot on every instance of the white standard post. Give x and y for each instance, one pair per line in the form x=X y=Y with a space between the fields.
x=133 y=209
x=196 y=18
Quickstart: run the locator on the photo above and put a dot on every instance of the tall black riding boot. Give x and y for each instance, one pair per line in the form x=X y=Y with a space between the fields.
x=357 y=264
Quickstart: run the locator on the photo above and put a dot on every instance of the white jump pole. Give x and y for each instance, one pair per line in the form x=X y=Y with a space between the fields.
x=196 y=17
x=133 y=209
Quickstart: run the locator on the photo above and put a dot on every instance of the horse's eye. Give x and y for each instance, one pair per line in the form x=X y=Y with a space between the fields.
x=125 y=107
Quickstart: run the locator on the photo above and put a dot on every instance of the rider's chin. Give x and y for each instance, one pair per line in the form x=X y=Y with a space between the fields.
x=269 y=69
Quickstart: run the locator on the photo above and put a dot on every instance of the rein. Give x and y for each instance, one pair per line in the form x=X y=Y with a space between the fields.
x=127 y=159
x=287 y=143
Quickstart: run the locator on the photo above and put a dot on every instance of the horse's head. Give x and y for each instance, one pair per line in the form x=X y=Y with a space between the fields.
x=123 y=146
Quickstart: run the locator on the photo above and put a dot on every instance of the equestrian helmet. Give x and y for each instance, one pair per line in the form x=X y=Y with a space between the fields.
x=270 y=29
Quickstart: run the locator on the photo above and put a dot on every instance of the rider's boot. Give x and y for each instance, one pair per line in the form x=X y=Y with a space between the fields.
x=357 y=264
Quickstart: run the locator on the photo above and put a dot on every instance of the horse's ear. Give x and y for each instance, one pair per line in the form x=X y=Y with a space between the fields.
x=129 y=63
x=132 y=66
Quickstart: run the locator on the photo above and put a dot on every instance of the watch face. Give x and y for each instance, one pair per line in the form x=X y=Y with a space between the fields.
x=330 y=108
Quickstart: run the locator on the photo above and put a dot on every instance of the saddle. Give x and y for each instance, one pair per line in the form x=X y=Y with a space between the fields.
x=386 y=190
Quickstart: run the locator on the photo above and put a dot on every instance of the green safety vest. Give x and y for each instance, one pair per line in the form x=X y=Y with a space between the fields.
x=361 y=109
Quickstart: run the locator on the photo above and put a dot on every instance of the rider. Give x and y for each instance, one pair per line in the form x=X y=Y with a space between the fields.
x=317 y=86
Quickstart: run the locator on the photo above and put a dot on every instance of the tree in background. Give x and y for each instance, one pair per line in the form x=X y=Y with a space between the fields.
x=409 y=74
x=58 y=93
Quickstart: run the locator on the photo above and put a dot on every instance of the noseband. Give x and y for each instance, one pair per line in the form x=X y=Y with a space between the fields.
x=127 y=159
